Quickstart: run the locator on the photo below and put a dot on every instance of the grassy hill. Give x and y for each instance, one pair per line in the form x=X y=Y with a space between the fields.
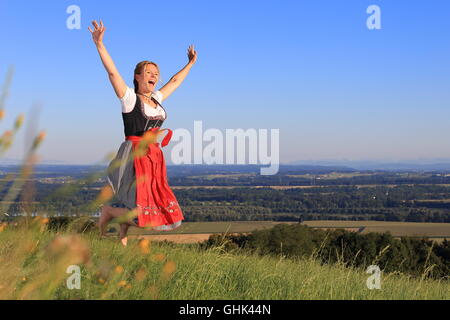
x=34 y=261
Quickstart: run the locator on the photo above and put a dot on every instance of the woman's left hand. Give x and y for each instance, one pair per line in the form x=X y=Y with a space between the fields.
x=192 y=54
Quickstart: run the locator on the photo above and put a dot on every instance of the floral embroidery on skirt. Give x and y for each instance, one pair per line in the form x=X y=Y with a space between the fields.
x=142 y=183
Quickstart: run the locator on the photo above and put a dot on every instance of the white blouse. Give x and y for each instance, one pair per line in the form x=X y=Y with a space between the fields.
x=129 y=100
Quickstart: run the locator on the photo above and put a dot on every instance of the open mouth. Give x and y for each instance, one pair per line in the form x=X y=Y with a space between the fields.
x=151 y=82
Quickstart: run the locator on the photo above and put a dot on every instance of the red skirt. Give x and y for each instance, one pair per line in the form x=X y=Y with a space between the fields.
x=157 y=206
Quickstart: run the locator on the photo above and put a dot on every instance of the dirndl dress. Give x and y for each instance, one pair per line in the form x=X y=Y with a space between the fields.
x=139 y=181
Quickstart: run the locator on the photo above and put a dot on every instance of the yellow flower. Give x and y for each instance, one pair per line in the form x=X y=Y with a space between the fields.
x=158 y=257
x=7 y=133
x=19 y=121
x=71 y=247
x=144 y=245
x=38 y=140
x=168 y=269
x=118 y=269
x=6 y=139
x=140 y=274
x=122 y=283
x=42 y=135
x=105 y=194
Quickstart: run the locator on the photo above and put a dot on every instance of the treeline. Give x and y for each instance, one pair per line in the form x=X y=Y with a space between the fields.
x=423 y=203
x=318 y=203
x=418 y=257
x=292 y=180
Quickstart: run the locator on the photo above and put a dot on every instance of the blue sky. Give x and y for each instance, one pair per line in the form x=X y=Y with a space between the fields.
x=311 y=68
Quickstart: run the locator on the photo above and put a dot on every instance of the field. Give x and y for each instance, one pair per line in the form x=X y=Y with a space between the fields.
x=190 y=232
x=215 y=227
x=176 y=238
x=435 y=231
x=34 y=261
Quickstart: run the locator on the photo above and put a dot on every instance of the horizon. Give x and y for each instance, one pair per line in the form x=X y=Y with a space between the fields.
x=363 y=165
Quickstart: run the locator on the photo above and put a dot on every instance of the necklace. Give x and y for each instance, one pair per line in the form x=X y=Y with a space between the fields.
x=156 y=103
x=148 y=98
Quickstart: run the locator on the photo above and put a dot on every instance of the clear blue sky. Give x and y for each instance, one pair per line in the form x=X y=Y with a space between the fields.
x=308 y=67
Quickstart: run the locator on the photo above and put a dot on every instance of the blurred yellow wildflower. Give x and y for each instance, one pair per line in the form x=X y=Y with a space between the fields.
x=106 y=193
x=159 y=257
x=140 y=274
x=19 y=122
x=72 y=247
x=168 y=269
x=144 y=245
x=38 y=140
x=122 y=283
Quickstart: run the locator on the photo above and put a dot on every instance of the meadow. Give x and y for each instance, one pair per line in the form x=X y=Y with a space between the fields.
x=190 y=232
x=34 y=262
x=213 y=227
x=193 y=232
x=433 y=231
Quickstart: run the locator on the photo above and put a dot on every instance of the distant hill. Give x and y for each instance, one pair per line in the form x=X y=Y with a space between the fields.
x=179 y=170
x=299 y=168
x=379 y=165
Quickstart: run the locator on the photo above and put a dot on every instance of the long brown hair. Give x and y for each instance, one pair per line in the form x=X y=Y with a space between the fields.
x=138 y=70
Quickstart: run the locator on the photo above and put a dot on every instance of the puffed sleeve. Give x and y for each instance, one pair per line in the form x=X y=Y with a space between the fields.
x=158 y=96
x=128 y=100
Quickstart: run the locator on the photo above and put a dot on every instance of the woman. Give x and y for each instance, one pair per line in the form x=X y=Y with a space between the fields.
x=137 y=176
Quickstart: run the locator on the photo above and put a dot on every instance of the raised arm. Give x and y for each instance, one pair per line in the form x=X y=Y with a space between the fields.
x=116 y=79
x=179 y=77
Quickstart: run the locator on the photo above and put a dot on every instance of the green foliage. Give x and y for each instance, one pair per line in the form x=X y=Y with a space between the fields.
x=399 y=203
x=72 y=224
x=407 y=255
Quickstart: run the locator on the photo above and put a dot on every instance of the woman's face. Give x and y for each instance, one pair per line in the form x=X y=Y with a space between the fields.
x=148 y=78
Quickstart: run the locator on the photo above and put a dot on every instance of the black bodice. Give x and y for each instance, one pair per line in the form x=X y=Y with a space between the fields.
x=137 y=122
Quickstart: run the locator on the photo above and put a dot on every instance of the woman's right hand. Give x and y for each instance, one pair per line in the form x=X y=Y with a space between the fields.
x=120 y=87
x=99 y=31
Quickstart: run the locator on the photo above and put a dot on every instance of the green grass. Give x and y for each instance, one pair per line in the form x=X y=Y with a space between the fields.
x=33 y=265
x=212 y=227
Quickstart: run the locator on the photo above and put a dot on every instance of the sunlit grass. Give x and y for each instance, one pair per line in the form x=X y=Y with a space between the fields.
x=34 y=260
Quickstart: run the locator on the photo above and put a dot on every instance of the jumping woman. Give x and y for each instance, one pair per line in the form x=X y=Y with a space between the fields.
x=138 y=179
